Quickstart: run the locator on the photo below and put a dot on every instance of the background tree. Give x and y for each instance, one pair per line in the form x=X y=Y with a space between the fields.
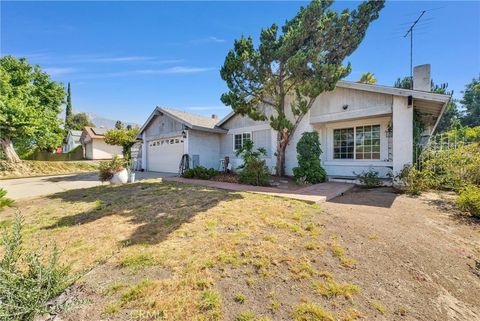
x=279 y=80
x=80 y=121
x=125 y=138
x=68 y=111
x=471 y=103
x=29 y=104
x=119 y=124
x=367 y=78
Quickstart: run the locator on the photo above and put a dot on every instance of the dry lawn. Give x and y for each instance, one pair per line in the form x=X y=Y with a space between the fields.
x=166 y=251
x=28 y=168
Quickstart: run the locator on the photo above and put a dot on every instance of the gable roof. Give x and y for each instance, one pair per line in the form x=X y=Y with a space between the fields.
x=191 y=121
x=94 y=132
x=416 y=94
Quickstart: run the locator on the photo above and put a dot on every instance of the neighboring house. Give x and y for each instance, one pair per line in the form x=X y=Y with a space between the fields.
x=94 y=146
x=361 y=126
x=73 y=140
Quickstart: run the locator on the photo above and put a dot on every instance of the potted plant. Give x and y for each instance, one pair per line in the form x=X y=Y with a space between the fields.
x=114 y=171
x=125 y=137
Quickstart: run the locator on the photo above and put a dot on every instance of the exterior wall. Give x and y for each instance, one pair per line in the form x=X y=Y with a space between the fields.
x=329 y=106
x=206 y=145
x=402 y=134
x=89 y=150
x=71 y=144
x=261 y=133
x=162 y=125
x=102 y=150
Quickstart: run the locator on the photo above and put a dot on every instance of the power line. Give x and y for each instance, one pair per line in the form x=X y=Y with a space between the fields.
x=410 y=31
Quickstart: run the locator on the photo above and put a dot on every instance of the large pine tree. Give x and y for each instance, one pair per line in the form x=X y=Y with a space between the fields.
x=296 y=64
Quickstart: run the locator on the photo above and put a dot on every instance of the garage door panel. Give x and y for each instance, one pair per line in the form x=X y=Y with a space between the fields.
x=164 y=155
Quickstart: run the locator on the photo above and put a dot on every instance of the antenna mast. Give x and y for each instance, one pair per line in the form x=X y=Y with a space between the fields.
x=410 y=31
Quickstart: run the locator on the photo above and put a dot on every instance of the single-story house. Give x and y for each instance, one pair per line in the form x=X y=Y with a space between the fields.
x=94 y=146
x=361 y=127
x=73 y=140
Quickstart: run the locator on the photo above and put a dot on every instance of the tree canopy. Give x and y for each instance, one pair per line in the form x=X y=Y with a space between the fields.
x=69 y=111
x=367 y=78
x=298 y=63
x=80 y=121
x=471 y=103
x=124 y=137
x=29 y=105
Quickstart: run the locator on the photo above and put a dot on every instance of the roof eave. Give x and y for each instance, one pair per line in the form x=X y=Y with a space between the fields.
x=394 y=91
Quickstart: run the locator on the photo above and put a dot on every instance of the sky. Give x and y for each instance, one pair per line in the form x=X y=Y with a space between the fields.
x=124 y=58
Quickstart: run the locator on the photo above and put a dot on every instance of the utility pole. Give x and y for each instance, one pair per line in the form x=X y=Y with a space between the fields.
x=410 y=31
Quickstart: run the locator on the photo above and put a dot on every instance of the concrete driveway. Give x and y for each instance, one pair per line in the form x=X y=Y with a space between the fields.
x=37 y=186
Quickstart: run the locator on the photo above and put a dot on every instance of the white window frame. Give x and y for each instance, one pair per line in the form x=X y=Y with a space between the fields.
x=233 y=138
x=355 y=143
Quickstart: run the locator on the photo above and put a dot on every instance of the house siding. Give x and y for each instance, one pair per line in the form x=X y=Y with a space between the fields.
x=207 y=146
x=261 y=135
x=102 y=150
x=161 y=125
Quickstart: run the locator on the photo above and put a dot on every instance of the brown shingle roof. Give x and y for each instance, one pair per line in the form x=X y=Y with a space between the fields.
x=192 y=119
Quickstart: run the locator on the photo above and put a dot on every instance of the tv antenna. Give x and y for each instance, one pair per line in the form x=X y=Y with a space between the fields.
x=410 y=31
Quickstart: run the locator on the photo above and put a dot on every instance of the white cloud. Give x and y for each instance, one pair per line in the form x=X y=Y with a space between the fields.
x=211 y=39
x=59 y=71
x=174 y=70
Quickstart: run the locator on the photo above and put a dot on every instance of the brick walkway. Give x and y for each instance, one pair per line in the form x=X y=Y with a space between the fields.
x=317 y=193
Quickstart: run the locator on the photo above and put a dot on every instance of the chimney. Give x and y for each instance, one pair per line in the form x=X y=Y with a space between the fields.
x=421 y=78
x=214 y=116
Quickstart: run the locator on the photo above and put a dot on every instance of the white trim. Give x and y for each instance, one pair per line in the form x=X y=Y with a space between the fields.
x=330 y=127
x=233 y=137
x=253 y=128
x=226 y=118
x=351 y=115
x=394 y=91
x=358 y=162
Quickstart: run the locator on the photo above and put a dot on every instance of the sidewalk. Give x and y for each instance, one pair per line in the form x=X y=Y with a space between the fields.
x=317 y=193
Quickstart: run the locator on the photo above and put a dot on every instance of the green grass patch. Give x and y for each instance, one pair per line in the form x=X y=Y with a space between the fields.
x=311 y=312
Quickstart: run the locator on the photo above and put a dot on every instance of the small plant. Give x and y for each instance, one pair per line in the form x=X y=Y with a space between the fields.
x=27 y=281
x=108 y=168
x=254 y=170
x=369 y=178
x=469 y=200
x=245 y=316
x=240 y=298
x=4 y=201
x=311 y=312
x=211 y=304
x=309 y=169
x=200 y=172
x=378 y=306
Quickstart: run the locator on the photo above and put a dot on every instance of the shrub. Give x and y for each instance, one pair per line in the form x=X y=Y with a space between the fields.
x=309 y=168
x=469 y=200
x=254 y=170
x=415 y=181
x=4 y=201
x=200 y=172
x=27 y=281
x=369 y=178
x=108 y=168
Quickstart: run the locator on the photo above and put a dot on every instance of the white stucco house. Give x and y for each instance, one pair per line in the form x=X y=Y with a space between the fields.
x=94 y=146
x=73 y=140
x=361 y=126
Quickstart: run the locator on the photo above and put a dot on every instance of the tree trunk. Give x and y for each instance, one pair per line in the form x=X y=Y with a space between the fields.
x=282 y=142
x=9 y=151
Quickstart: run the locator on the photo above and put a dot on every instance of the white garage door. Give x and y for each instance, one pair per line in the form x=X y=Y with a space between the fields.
x=164 y=155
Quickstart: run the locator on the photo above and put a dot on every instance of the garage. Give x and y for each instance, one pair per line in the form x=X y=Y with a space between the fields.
x=164 y=155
